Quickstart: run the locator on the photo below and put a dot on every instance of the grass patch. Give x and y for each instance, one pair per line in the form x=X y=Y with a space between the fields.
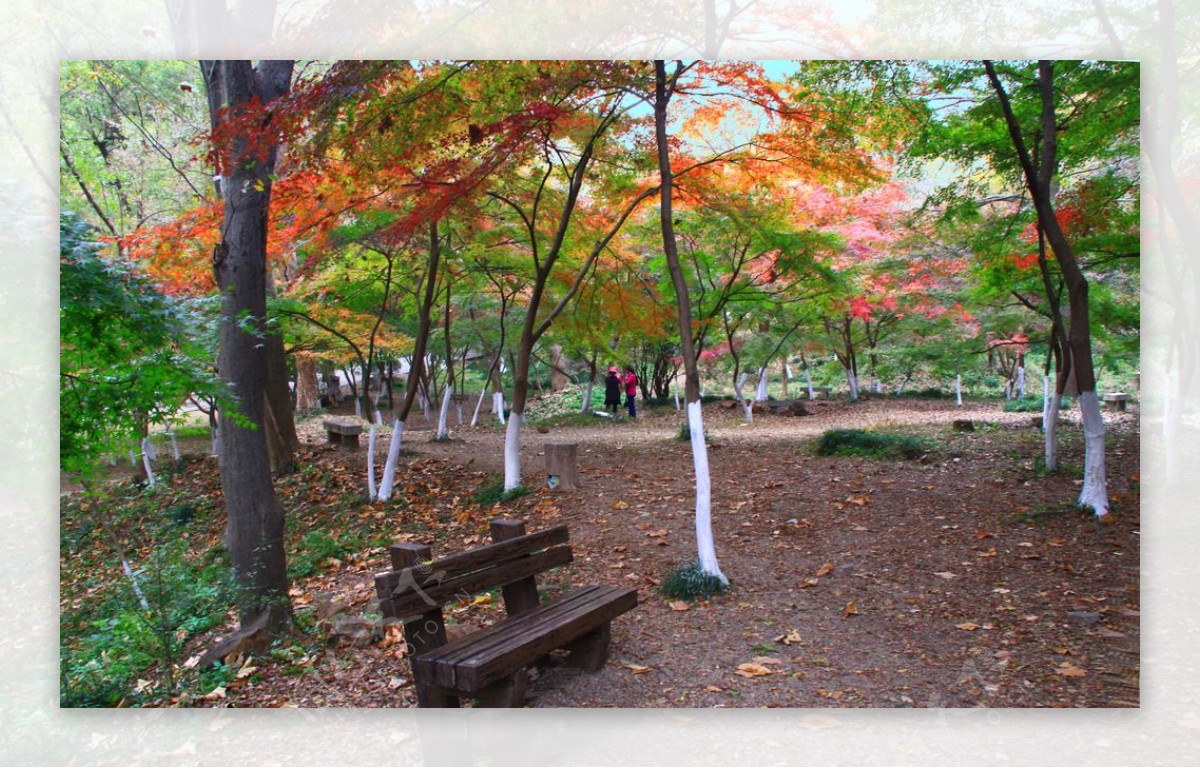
x=875 y=445
x=492 y=492
x=570 y=419
x=315 y=548
x=690 y=582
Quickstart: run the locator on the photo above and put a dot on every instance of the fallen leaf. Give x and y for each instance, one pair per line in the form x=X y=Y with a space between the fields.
x=809 y=583
x=618 y=504
x=947 y=575
x=835 y=695
x=825 y=570
x=850 y=610
x=968 y=626
x=637 y=669
x=656 y=534
x=792 y=636
x=1067 y=669
x=766 y=660
x=752 y=670
x=713 y=689
x=679 y=605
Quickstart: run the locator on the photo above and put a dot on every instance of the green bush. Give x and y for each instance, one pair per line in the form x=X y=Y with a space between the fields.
x=690 y=582
x=1033 y=404
x=492 y=492
x=879 y=445
x=105 y=648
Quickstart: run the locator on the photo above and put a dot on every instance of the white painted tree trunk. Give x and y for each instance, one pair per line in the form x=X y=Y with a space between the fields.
x=498 y=405
x=958 y=389
x=760 y=394
x=443 y=431
x=808 y=384
x=371 y=432
x=174 y=446
x=136 y=587
x=148 y=460
x=512 y=452
x=1021 y=381
x=705 y=548
x=587 y=398
x=1045 y=399
x=478 y=407
x=1094 y=495
x=216 y=441
x=1008 y=389
x=877 y=385
x=852 y=383
x=358 y=407
x=1050 y=408
x=675 y=391
x=738 y=384
x=388 y=481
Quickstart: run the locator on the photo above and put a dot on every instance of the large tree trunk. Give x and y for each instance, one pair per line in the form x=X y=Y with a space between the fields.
x=1094 y=494
x=255 y=527
x=706 y=549
x=416 y=368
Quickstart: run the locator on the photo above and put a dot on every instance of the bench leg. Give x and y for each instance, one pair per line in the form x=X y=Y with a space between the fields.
x=433 y=696
x=509 y=692
x=590 y=651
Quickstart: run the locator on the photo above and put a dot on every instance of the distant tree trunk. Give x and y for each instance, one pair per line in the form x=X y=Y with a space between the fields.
x=308 y=396
x=254 y=532
x=704 y=536
x=558 y=371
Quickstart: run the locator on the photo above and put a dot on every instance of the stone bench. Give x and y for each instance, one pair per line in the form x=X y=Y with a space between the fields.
x=1116 y=400
x=342 y=433
x=821 y=393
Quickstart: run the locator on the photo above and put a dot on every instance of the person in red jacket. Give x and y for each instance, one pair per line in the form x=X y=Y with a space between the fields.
x=630 y=381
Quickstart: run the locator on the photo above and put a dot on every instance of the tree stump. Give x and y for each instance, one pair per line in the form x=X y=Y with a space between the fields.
x=560 y=466
x=964 y=425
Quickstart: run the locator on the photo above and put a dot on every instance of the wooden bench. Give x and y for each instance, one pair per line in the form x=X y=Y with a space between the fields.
x=1116 y=399
x=343 y=433
x=821 y=393
x=490 y=665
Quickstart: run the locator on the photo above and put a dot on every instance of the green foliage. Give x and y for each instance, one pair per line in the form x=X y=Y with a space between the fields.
x=129 y=355
x=104 y=649
x=492 y=492
x=316 y=548
x=690 y=582
x=878 y=445
x=1033 y=404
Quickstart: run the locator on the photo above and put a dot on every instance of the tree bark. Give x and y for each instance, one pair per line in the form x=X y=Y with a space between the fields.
x=1079 y=344
x=706 y=549
x=255 y=527
x=307 y=389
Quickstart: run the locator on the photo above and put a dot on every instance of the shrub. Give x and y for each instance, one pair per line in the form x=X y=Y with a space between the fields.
x=879 y=445
x=690 y=582
x=492 y=492
x=1033 y=404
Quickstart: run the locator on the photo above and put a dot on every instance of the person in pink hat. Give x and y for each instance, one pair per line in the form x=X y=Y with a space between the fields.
x=612 y=391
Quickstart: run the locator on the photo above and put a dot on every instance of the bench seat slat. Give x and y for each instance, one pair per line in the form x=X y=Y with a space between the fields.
x=491 y=654
x=410 y=602
x=496 y=636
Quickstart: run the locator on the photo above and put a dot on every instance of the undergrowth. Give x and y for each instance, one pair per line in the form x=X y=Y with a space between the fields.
x=690 y=582
x=878 y=445
x=492 y=492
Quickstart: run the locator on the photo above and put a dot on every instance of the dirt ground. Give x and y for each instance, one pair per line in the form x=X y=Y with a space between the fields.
x=961 y=579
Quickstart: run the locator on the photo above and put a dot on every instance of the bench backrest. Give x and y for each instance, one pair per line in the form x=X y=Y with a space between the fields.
x=419 y=585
